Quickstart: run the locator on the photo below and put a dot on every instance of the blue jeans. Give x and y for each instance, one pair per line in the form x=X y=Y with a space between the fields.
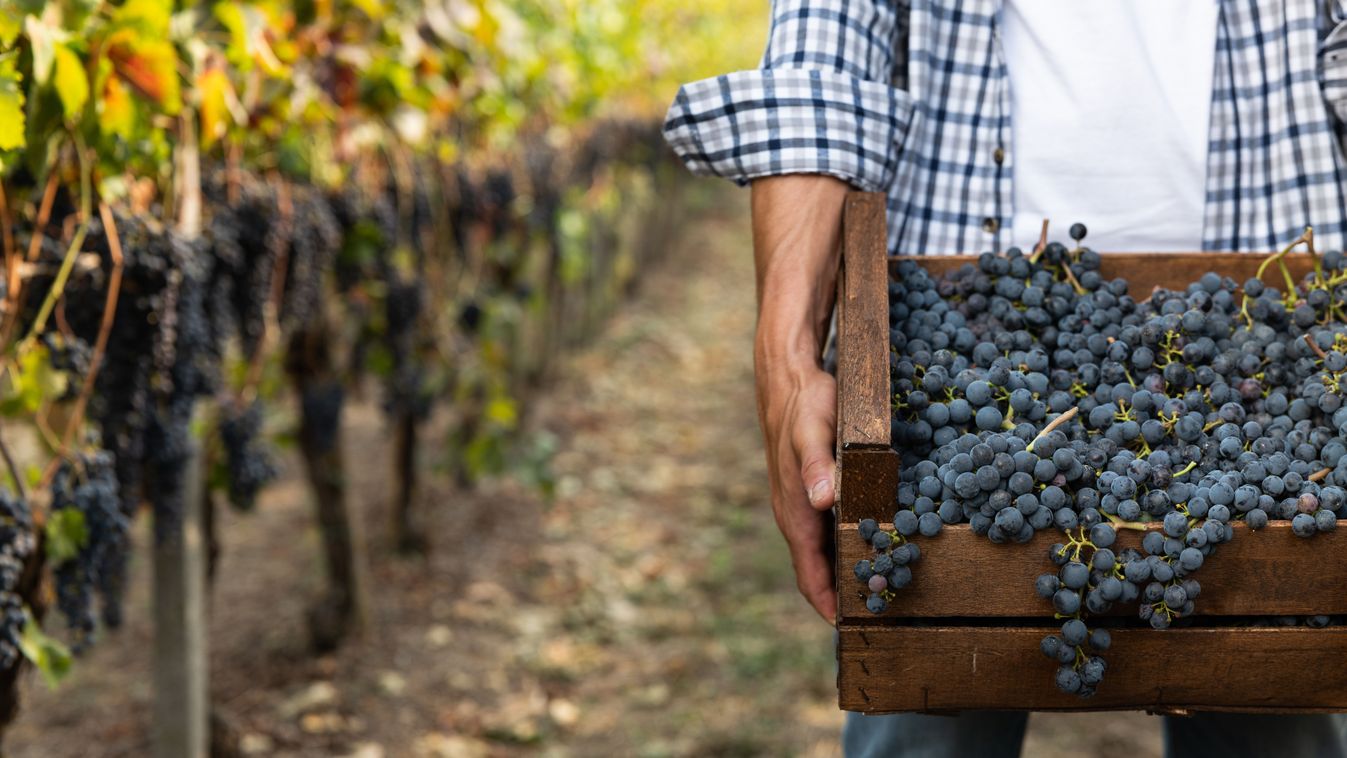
x=998 y=734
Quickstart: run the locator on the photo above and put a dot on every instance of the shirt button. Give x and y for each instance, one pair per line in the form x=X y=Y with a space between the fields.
x=990 y=225
x=999 y=155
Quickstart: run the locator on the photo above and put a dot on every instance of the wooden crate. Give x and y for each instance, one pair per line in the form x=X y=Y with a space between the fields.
x=964 y=634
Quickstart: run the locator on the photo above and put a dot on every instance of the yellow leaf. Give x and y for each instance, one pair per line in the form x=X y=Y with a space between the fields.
x=72 y=82
x=213 y=87
x=149 y=66
x=11 y=104
x=117 y=111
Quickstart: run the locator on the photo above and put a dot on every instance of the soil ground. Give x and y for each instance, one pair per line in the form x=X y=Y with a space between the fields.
x=648 y=609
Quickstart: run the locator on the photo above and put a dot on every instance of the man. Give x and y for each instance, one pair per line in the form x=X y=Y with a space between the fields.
x=1161 y=124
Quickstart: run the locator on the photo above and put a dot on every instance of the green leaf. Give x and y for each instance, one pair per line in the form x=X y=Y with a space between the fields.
x=149 y=17
x=66 y=535
x=51 y=658
x=11 y=103
x=11 y=23
x=72 y=83
x=34 y=382
x=34 y=475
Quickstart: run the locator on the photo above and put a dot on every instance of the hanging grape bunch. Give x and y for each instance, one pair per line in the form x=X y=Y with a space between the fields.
x=17 y=543
x=85 y=490
x=249 y=464
x=1031 y=393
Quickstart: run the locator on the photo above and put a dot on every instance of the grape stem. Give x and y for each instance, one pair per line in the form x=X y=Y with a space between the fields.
x=1306 y=238
x=76 y=242
x=14 y=292
x=1062 y=419
x=1042 y=243
x=7 y=234
x=13 y=469
x=100 y=343
x=1118 y=523
x=1315 y=347
x=1080 y=289
x=1319 y=475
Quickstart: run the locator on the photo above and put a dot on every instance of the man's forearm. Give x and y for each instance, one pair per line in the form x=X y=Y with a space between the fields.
x=796 y=224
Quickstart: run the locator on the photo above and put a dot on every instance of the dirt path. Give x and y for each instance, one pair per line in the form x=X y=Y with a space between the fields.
x=647 y=610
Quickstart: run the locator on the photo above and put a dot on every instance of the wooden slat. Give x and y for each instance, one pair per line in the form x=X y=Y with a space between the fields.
x=870 y=483
x=932 y=669
x=1269 y=572
x=863 y=414
x=1146 y=271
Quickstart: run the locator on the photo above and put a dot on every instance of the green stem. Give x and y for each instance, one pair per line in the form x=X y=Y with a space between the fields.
x=72 y=252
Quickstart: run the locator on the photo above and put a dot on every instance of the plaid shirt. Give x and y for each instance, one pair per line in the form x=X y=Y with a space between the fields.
x=912 y=98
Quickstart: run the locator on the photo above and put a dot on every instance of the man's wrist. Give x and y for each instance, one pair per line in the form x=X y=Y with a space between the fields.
x=795 y=349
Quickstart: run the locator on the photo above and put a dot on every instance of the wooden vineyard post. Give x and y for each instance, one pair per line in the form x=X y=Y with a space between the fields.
x=181 y=678
x=340 y=612
x=407 y=537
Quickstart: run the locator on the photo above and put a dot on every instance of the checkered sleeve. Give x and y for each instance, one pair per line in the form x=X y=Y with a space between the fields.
x=822 y=102
x=1333 y=61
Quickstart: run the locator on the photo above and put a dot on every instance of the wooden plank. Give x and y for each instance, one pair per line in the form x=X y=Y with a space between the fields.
x=935 y=669
x=1269 y=572
x=863 y=413
x=1146 y=271
x=870 y=484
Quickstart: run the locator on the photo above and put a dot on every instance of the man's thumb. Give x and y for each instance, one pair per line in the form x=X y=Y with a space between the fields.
x=818 y=470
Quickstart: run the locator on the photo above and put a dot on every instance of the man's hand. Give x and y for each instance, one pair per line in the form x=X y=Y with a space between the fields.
x=796 y=227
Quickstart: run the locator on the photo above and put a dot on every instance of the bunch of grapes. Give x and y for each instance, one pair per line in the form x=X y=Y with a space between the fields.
x=890 y=568
x=249 y=465
x=185 y=369
x=245 y=242
x=17 y=543
x=1031 y=393
x=315 y=240
x=88 y=486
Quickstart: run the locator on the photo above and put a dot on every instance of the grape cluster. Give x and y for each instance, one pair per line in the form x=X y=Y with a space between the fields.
x=17 y=543
x=249 y=465
x=1029 y=393
x=88 y=485
x=890 y=569
x=71 y=356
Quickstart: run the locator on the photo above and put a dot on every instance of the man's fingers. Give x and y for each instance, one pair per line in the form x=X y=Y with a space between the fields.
x=814 y=577
x=814 y=446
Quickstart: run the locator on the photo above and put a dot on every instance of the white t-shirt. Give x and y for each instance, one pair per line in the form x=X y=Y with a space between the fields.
x=1111 y=102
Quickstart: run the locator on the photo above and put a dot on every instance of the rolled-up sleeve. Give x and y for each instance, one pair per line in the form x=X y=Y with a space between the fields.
x=1333 y=61
x=823 y=101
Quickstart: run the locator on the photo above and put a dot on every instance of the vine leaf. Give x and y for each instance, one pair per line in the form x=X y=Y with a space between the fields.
x=66 y=534
x=214 y=89
x=11 y=23
x=117 y=113
x=51 y=658
x=42 y=40
x=33 y=383
x=72 y=84
x=11 y=103
x=149 y=66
